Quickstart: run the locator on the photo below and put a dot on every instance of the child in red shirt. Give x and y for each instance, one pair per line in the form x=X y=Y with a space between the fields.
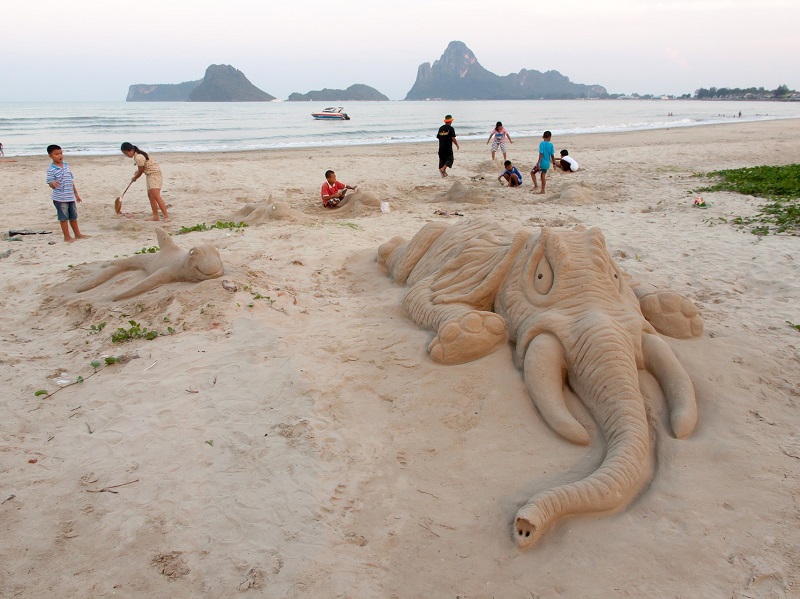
x=333 y=191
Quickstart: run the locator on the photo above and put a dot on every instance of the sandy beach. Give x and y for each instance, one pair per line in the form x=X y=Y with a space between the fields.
x=293 y=438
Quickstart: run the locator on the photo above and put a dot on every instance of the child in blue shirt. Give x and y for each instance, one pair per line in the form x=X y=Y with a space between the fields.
x=511 y=174
x=547 y=156
x=65 y=194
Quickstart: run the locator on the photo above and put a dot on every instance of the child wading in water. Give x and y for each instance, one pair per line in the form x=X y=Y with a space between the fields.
x=65 y=194
x=148 y=167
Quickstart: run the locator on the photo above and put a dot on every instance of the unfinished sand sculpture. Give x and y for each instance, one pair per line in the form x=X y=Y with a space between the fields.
x=259 y=212
x=458 y=192
x=365 y=197
x=564 y=302
x=170 y=265
x=355 y=203
x=580 y=194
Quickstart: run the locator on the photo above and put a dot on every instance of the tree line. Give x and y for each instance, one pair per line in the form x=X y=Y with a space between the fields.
x=781 y=92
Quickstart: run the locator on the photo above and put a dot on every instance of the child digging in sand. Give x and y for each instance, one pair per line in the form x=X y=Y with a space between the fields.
x=148 y=167
x=567 y=163
x=511 y=174
x=333 y=192
x=65 y=194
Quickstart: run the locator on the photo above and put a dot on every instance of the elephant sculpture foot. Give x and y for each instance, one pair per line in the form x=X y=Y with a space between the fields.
x=670 y=313
x=471 y=336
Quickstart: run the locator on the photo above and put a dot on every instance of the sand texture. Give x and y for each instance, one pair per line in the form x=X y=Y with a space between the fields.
x=286 y=434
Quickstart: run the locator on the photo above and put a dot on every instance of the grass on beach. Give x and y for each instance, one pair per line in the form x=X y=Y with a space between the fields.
x=217 y=225
x=779 y=184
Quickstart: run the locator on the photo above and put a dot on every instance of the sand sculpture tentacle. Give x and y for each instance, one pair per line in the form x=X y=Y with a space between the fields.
x=574 y=318
x=170 y=264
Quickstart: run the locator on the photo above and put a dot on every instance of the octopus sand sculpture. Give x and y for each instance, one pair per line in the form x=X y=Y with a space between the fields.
x=170 y=264
x=573 y=316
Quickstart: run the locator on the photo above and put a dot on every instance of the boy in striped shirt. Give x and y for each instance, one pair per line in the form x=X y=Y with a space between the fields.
x=65 y=194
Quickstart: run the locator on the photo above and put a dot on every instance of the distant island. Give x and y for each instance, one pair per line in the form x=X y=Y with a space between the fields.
x=355 y=93
x=458 y=75
x=221 y=83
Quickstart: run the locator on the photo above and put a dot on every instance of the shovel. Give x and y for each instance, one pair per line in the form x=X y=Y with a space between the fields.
x=118 y=201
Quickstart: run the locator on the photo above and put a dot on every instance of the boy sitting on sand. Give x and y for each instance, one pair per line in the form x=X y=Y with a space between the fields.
x=511 y=174
x=333 y=191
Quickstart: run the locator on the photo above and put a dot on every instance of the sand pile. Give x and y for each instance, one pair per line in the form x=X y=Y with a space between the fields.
x=270 y=210
x=458 y=192
x=579 y=194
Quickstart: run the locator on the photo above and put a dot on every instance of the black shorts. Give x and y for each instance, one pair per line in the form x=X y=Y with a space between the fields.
x=445 y=161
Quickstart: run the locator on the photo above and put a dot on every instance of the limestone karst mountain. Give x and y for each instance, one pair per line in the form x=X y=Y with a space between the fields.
x=458 y=75
x=221 y=83
x=355 y=93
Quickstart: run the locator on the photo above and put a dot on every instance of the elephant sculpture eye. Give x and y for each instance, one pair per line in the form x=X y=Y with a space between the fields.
x=617 y=280
x=543 y=279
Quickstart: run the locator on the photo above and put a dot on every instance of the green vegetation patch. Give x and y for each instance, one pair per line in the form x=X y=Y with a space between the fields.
x=217 y=225
x=137 y=331
x=778 y=184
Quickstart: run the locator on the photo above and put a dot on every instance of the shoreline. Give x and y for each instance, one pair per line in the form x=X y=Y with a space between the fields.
x=426 y=144
x=294 y=129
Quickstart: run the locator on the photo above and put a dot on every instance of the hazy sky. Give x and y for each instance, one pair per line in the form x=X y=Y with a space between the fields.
x=86 y=50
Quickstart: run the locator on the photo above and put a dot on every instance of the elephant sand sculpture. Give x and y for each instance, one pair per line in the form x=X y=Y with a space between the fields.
x=168 y=265
x=574 y=317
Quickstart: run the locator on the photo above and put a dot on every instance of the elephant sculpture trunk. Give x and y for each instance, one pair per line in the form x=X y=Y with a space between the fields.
x=612 y=396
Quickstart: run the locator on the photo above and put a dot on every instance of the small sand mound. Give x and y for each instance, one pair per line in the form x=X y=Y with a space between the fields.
x=258 y=213
x=358 y=202
x=488 y=167
x=366 y=198
x=580 y=194
x=458 y=192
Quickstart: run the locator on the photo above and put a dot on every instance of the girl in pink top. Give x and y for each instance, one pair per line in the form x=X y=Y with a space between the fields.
x=498 y=137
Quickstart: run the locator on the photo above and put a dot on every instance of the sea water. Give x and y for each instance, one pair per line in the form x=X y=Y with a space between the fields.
x=99 y=128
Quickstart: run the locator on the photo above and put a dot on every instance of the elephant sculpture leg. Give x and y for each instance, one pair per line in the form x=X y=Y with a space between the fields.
x=454 y=296
x=463 y=333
